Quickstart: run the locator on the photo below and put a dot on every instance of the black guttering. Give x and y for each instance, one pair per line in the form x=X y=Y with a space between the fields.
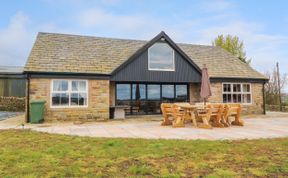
x=264 y=98
x=108 y=76
x=162 y=34
x=230 y=79
x=12 y=75
x=28 y=99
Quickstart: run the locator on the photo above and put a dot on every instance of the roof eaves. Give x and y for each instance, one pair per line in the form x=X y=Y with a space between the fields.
x=65 y=73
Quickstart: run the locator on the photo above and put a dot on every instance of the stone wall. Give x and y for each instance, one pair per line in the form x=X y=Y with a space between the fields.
x=257 y=97
x=98 y=101
x=12 y=104
x=276 y=108
x=194 y=91
x=112 y=93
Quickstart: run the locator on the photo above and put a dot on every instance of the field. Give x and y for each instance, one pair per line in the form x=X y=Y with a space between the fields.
x=25 y=153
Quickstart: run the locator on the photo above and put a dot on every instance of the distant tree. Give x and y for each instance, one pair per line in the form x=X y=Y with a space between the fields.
x=272 y=89
x=233 y=45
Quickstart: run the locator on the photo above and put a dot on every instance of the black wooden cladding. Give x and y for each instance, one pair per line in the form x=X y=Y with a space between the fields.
x=137 y=71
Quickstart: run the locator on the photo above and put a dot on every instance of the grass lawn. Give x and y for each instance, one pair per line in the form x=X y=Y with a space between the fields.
x=25 y=153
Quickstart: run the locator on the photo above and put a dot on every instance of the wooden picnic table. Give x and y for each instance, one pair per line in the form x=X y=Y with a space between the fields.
x=189 y=112
x=215 y=112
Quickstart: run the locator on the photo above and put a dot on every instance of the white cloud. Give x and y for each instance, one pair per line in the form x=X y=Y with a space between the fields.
x=14 y=40
x=98 y=17
x=124 y=26
x=18 y=36
x=264 y=49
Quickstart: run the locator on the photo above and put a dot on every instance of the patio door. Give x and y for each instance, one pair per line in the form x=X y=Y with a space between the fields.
x=153 y=98
x=138 y=102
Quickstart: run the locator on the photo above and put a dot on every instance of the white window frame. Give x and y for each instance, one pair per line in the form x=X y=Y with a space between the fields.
x=69 y=92
x=241 y=92
x=157 y=69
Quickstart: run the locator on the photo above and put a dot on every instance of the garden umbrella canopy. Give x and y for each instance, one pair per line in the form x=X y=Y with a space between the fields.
x=205 y=84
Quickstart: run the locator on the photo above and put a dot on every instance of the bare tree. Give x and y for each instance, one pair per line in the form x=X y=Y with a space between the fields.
x=272 y=87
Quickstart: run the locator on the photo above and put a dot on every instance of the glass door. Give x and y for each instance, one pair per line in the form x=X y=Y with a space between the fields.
x=138 y=103
x=123 y=95
x=153 y=98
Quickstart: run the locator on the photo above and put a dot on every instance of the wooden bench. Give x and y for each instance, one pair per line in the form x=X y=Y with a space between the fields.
x=204 y=115
x=216 y=114
x=233 y=110
x=178 y=114
x=166 y=109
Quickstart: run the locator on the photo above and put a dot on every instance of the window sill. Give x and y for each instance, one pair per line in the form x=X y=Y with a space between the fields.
x=167 y=70
x=68 y=107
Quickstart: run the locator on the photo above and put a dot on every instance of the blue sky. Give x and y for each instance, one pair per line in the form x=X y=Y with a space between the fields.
x=262 y=24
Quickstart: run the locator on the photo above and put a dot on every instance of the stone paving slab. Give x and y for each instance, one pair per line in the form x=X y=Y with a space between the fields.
x=6 y=114
x=266 y=127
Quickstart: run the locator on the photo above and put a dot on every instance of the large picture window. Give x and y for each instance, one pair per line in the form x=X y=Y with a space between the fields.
x=237 y=93
x=161 y=57
x=69 y=93
x=146 y=98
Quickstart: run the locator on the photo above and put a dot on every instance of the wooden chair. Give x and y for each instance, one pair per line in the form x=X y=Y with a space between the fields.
x=187 y=115
x=204 y=115
x=233 y=110
x=216 y=114
x=166 y=109
x=178 y=114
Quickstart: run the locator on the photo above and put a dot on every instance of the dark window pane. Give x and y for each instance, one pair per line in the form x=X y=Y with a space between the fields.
x=79 y=99
x=74 y=99
x=82 y=99
x=138 y=91
x=227 y=87
x=60 y=99
x=227 y=98
x=236 y=98
x=236 y=87
x=138 y=104
x=153 y=102
x=181 y=93
x=167 y=93
x=55 y=99
x=153 y=106
x=153 y=91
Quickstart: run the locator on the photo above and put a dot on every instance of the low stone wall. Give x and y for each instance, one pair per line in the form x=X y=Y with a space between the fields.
x=12 y=104
x=276 y=108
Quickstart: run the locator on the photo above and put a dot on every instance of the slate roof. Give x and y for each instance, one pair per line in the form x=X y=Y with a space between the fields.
x=85 y=54
x=11 y=70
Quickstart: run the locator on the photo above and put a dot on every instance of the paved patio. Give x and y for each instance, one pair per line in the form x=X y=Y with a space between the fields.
x=5 y=114
x=270 y=126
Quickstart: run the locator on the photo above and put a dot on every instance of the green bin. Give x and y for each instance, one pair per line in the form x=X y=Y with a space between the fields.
x=37 y=111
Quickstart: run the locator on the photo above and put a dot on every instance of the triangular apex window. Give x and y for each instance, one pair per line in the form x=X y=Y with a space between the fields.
x=161 y=57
